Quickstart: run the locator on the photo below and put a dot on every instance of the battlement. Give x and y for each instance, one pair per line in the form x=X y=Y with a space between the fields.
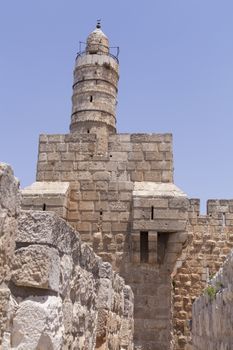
x=218 y=211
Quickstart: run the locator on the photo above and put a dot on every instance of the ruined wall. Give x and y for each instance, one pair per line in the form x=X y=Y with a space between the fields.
x=210 y=239
x=9 y=210
x=212 y=313
x=63 y=295
x=55 y=293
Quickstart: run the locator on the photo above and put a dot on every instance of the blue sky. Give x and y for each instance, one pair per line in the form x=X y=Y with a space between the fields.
x=176 y=75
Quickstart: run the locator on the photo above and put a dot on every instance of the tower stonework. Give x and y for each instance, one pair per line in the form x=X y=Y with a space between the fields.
x=95 y=90
x=117 y=191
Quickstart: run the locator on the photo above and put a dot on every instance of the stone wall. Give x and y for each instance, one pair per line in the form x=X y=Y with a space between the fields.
x=47 y=196
x=9 y=210
x=160 y=213
x=135 y=157
x=109 y=217
x=101 y=186
x=55 y=293
x=101 y=209
x=212 y=322
x=63 y=295
x=210 y=239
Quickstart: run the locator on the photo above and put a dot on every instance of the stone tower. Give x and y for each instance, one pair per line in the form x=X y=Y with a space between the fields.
x=117 y=190
x=95 y=90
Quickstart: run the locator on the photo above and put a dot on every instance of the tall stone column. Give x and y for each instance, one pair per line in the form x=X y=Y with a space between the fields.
x=95 y=90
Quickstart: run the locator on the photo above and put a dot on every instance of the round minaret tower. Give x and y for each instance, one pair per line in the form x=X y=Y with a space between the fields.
x=95 y=88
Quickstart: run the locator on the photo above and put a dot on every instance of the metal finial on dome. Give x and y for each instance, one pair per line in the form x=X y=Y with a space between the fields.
x=98 y=25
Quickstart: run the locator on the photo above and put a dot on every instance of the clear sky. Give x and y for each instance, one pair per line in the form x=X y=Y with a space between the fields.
x=176 y=75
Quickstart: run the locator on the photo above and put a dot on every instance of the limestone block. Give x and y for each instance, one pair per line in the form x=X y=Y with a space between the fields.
x=179 y=203
x=125 y=186
x=86 y=205
x=153 y=155
x=102 y=325
x=161 y=165
x=119 y=138
x=119 y=156
x=153 y=176
x=138 y=156
x=148 y=189
x=9 y=194
x=66 y=268
x=105 y=270
x=8 y=226
x=105 y=294
x=165 y=147
x=151 y=138
x=9 y=210
x=56 y=138
x=46 y=228
x=83 y=289
x=170 y=214
x=101 y=176
x=38 y=324
x=88 y=260
x=36 y=266
x=85 y=320
x=47 y=147
x=119 y=206
x=125 y=335
x=160 y=225
x=128 y=302
x=43 y=138
x=61 y=147
x=5 y=296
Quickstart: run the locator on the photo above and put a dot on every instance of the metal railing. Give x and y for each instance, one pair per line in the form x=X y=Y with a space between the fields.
x=82 y=52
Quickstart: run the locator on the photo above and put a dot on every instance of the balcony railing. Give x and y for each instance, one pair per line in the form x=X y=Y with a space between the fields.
x=115 y=56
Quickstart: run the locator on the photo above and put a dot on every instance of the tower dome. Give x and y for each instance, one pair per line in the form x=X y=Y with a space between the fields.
x=96 y=78
x=97 y=41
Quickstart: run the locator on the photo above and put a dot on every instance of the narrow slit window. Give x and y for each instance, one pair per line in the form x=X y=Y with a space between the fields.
x=224 y=219
x=88 y=131
x=152 y=213
x=44 y=207
x=91 y=98
x=144 y=247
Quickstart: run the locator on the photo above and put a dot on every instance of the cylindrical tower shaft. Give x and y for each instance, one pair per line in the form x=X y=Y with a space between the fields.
x=95 y=88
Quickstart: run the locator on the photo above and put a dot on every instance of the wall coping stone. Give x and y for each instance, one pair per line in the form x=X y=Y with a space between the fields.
x=157 y=189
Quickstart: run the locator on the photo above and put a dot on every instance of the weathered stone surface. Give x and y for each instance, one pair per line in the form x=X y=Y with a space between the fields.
x=212 y=312
x=50 y=196
x=38 y=324
x=9 y=191
x=37 y=227
x=36 y=266
x=9 y=210
x=51 y=259
x=154 y=189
